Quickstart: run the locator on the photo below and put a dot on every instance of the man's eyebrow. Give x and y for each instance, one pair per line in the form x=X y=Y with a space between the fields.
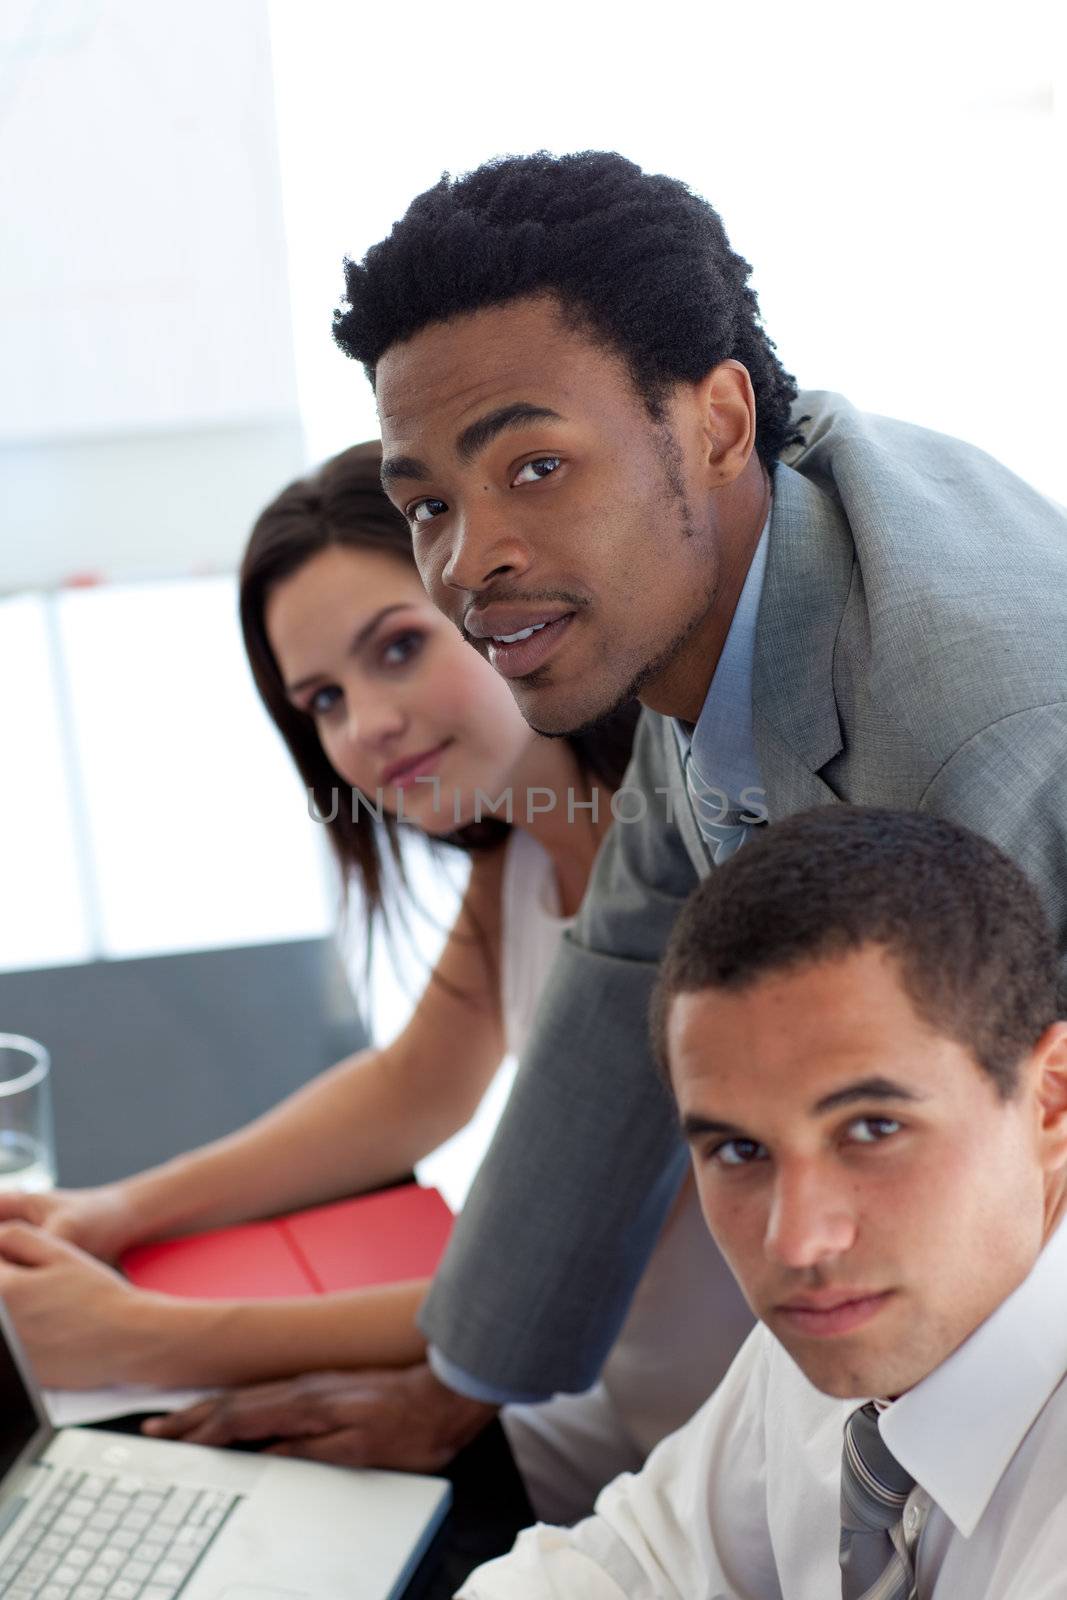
x=410 y=467
x=695 y=1126
x=471 y=441
x=864 y=1089
x=477 y=435
x=359 y=638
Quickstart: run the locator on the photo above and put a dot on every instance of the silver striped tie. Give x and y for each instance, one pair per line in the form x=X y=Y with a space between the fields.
x=874 y=1488
x=721 y=829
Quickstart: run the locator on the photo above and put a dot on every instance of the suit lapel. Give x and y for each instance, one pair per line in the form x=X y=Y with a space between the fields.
x=789 y=784
x=809 y=573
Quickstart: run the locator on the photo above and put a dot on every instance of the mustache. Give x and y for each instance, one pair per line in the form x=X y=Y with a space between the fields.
x=810 y=1280
x=508 y=596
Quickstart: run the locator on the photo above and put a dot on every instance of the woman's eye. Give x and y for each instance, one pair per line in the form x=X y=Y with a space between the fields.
x=401 y=649
x=738 y=1152
x=323 y=700
x=871 y=1130
x=534 y=471
x=426 y=510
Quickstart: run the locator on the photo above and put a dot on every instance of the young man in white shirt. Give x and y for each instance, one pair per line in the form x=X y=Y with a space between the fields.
x=858 y=1017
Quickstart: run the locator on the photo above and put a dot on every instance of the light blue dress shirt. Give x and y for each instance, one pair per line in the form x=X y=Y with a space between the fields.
x=722 y=773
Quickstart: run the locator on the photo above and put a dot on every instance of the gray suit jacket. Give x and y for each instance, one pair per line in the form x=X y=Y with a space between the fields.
x=911 y=651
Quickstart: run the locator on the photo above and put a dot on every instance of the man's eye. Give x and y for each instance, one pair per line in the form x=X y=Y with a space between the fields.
x=426 y=510
x=323 y=700
x=738 y=1152
x=534 y=471
x=871 y=1130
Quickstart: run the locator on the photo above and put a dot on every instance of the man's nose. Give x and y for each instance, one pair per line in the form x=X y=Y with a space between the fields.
x=485 y=548
x=812 y=1216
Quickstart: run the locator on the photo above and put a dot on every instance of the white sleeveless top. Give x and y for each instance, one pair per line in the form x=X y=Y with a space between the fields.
x=530 y=930
x=688 y=1317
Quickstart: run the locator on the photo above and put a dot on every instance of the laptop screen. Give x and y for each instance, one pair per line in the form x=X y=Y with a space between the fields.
x=19 y=1420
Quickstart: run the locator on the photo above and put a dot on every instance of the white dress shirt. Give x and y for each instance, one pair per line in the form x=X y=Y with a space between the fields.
x=743 y=1502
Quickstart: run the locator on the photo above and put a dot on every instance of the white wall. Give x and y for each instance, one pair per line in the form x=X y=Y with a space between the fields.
x=895 y=173
x=138 y=505
x=148 y=406
x=142 y=259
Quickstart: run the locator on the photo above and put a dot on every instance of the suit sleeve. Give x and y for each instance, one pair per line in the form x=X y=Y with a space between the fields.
x=572 y=1194
x=1009 y=782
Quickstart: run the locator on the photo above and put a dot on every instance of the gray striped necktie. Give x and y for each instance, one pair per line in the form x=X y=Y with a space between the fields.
x=874 y=1488
x=721 y=829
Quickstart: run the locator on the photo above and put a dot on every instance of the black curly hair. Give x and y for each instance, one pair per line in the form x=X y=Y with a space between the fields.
x=638 y=259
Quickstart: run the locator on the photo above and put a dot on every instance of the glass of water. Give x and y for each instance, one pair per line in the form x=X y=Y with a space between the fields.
x=27 y=1144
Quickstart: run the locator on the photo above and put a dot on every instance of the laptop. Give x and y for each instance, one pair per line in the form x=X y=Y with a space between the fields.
x=88 y=1515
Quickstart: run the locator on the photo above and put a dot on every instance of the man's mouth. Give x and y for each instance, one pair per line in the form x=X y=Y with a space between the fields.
x=825 y=1313
x=517 y=655
x=516 y=640
x=507 y=623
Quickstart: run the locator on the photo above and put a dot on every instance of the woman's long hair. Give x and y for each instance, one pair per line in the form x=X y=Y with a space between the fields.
x=343 y=503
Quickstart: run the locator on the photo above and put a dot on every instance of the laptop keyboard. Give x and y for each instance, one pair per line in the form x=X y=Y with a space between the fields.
x=94 y=1537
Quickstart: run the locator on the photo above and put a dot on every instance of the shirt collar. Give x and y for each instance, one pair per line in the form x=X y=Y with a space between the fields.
x=957 y=1431
x=722 y=741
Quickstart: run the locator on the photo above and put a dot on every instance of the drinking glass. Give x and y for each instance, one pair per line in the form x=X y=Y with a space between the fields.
x=27 y=1142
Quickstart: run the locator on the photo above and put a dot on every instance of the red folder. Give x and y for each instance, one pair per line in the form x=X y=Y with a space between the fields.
x=388 y=1237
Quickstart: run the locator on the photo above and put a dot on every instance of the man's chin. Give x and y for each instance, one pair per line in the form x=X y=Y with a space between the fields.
x=556 y=711
x=851 y=1374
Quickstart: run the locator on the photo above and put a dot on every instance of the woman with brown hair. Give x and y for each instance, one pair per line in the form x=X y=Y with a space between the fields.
x=393 y=721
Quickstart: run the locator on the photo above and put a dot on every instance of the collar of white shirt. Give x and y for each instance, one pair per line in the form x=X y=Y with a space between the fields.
x=957 y=1430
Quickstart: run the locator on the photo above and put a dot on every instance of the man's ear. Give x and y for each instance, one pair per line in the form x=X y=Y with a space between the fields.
x=1050 y=1063
x=726 y=407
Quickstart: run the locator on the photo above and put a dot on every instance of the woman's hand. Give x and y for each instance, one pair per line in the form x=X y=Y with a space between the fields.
x=99 y=1221
x=77 y=1318
x=402 y=1419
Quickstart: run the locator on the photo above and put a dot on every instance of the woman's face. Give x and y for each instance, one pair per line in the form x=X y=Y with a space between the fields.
x=394 y=692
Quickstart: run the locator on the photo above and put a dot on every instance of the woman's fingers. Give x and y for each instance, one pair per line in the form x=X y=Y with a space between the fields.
x=27 y=1246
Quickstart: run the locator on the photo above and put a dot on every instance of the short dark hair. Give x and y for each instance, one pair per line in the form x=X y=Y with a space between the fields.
x=638 y=259
x=974 y=948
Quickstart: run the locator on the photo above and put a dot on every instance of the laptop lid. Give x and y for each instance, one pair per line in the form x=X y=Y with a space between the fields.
x=24 y=1426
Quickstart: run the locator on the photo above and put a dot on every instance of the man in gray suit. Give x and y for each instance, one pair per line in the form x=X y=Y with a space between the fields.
x=614 y=489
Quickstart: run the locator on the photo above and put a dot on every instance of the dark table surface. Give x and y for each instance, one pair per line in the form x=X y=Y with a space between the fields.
x=156 y=1055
